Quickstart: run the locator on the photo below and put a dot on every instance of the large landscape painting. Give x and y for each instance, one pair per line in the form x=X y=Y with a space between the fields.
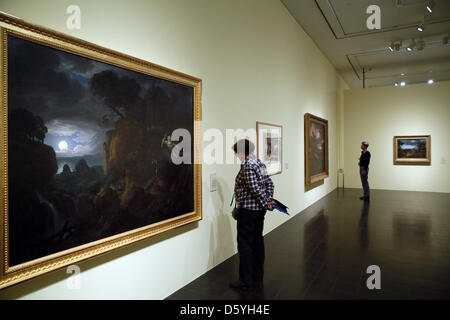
x=89 y=150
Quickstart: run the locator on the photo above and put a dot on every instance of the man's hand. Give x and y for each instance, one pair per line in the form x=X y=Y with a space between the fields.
x=270 y=205
x=363 y=172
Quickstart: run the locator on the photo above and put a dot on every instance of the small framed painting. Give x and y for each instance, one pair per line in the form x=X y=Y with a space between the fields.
x=412 y=150
x=269 y=146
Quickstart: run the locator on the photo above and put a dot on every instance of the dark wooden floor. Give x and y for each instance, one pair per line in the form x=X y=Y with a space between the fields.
x=324 y=252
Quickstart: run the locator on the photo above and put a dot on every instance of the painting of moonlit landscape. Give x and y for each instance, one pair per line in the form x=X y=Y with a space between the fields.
x=89 y=150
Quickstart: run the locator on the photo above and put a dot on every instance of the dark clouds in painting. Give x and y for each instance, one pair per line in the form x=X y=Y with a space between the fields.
x=56 y=86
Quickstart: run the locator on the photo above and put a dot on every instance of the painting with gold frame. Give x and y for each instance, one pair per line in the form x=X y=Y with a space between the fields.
x=412 y=150
x=269 y=146
x=87 y=143
x=316 y=149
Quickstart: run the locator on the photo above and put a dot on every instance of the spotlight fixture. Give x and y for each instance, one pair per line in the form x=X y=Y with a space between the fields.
x=429 y=6
x=411 y=46
x=396 y=45
x=431 y=81
x=421 y=27
x=391 y=46
x=396 y=83
x=403 y=83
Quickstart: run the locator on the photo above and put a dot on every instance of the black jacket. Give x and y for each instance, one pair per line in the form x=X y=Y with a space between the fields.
x=365 y=159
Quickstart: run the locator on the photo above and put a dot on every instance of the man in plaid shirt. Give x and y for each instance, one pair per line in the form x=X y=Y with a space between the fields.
x=253 y=191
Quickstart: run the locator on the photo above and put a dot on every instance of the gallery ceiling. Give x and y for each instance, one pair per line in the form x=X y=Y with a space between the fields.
x=339 y=29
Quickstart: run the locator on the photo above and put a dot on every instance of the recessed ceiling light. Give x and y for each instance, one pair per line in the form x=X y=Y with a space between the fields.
x=421 y=27
x=430 y=6
x=391 y=46
x=403 y=83
x=411 y=46
x=431 y=81
x=396 y=84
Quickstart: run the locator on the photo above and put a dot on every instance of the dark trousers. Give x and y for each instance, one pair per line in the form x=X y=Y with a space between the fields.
x=250 y=241
x=364 y=182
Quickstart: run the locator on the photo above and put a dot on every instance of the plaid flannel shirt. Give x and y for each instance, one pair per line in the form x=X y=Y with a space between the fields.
x=253 y=187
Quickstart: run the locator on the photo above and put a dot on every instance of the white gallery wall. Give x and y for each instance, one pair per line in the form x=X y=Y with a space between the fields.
x=379 y=114
x=257 y=64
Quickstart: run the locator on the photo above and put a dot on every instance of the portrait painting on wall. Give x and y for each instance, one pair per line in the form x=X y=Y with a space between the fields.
x=413 y=150
x=316 y=149
x=89 y=150
x=269 y=146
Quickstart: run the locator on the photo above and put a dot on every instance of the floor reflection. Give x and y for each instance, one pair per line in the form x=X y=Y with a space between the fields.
x=315 y=237
x=411 y=231
x=315 y=246
x=363 y=227
x=340 y=193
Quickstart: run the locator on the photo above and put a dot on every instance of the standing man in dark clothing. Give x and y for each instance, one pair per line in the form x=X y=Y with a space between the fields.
x=253 y=191
x=364 y=161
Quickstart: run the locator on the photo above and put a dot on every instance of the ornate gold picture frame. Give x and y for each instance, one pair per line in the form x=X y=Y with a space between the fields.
x=412 y=150
x=87 y=146
x=316 y=149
